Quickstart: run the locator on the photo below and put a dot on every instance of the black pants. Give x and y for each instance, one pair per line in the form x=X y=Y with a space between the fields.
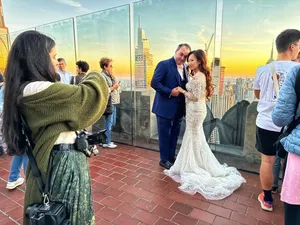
x=168 y=132
x=291 y=214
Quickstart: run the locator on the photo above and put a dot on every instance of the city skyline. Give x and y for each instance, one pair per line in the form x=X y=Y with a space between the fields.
x=244 y=44
x=137 y=42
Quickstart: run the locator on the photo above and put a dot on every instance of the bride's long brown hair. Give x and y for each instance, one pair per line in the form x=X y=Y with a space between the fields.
x=201 y=57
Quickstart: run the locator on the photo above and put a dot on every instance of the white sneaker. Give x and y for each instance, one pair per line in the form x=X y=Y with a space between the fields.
x=14 y=184
x=110 y=145
x=101 y=144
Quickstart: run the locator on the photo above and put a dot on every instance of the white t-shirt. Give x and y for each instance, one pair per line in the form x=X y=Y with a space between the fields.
x=263 y=81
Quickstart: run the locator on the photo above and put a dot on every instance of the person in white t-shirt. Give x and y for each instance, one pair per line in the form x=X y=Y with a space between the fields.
x=267 y=133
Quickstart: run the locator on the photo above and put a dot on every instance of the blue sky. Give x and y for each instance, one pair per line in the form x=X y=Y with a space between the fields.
x=21 y=14
x=166 y=23
x=249 y=27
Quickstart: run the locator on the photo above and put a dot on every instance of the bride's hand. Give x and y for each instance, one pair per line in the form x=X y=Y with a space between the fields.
x=180 y=89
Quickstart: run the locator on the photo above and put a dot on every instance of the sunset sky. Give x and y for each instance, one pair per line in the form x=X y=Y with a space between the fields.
x=249 y=27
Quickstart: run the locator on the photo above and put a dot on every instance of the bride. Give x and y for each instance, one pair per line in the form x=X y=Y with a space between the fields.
x=196 y=168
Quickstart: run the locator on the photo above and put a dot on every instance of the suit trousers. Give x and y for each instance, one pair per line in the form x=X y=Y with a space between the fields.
x=168 y=132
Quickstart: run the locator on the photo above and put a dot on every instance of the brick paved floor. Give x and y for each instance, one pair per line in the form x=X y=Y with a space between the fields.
x=130 y=189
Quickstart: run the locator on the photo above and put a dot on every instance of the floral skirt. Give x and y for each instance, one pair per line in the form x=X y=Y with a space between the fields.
x=70 y=184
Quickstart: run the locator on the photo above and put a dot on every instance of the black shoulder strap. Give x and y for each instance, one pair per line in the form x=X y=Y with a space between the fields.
x=34 y=168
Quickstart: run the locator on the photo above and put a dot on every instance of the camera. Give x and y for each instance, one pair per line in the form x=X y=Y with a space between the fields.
x=86 y=143
x=97 y=138
x=53 y=213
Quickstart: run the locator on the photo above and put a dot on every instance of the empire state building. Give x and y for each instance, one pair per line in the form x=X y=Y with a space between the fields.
x=143 y=60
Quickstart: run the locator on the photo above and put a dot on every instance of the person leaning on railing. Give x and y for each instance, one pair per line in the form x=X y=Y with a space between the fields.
x=53 y=112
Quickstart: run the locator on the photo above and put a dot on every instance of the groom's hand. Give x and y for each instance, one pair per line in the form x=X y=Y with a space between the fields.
x=175 y=92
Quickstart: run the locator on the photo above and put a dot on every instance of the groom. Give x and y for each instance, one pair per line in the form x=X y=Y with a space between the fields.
x=169 y=104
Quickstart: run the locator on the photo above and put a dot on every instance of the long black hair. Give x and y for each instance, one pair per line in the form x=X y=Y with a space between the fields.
x=28 y=61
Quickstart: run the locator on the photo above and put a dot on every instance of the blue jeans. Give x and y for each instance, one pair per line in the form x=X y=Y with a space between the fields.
x=110 y=121
x=16 y=165
x=276 y=170
x=114 y=114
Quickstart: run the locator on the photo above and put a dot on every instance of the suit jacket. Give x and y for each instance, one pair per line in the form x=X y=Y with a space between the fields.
x=165 y=78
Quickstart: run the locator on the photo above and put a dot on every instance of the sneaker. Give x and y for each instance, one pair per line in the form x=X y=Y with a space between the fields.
x=110 y=145
x=265 y=205
x=14 y=184
x=101 y=144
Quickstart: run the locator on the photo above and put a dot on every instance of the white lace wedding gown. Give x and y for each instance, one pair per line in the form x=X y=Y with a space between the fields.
x=196 y=168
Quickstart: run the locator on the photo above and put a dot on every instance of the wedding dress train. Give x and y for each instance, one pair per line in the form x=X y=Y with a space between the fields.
x=196 y=168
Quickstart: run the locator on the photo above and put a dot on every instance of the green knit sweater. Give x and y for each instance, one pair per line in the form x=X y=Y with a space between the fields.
x=57 y=109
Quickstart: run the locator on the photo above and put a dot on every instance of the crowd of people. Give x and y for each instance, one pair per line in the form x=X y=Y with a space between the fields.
x=53 y=104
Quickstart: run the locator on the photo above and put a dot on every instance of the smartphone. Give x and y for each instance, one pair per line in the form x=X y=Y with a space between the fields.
x=119 y=82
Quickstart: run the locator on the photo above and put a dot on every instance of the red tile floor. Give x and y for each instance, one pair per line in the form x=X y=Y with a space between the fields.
x=129 y=188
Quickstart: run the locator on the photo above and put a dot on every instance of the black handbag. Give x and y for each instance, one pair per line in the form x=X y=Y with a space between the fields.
x=289 y=128
x=48 y=212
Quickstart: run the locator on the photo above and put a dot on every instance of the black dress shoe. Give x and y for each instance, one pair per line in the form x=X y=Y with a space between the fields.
x=172 y=160
x=166 y=165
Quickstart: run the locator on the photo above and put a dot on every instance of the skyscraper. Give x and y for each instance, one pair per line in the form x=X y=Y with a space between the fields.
x=143 y=60
x=3 y=40
x=240 y=89
x=215 y=67
x=221 y=80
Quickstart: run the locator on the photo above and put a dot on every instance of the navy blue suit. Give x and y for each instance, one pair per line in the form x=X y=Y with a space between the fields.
x=169 y=110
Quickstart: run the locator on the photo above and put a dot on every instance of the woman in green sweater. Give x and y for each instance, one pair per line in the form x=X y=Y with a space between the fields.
x=53 y=111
